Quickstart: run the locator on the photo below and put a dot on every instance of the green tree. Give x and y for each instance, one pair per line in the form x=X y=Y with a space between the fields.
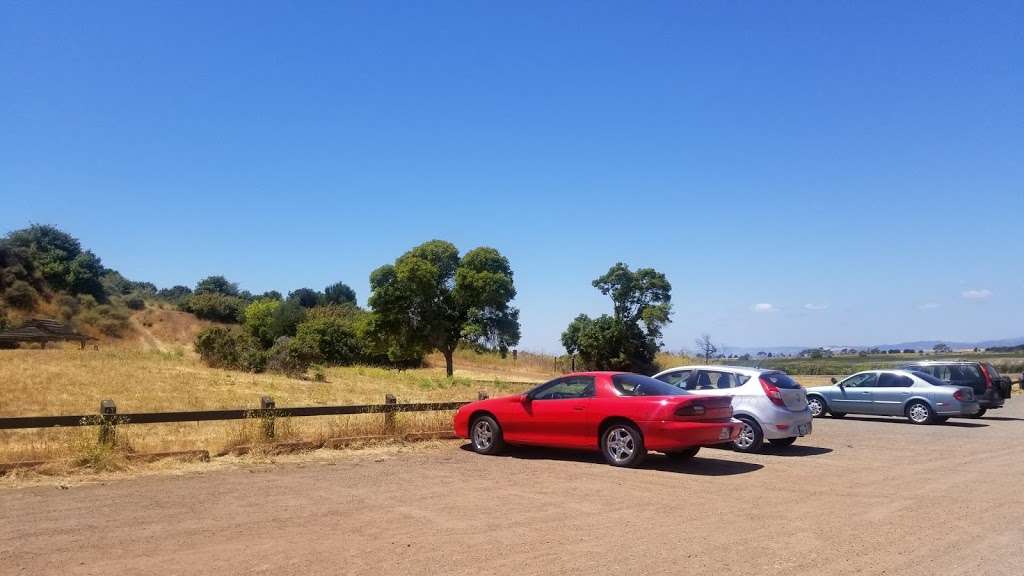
x=59 y=259
x=258 y=319
x=433 y=299
x=631 y=337
x=286 y=319
x=216 y=285
x=339 y=293
x=215 y=306
x=306 y=297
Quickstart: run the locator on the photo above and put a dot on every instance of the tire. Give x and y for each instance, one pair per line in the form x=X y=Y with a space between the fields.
x=751 y=438
x=979 y=413
x=485 y=434
x=623 y=445
x=782 y=442
x=683 y=455
x=817 y=406
x=837 y=414
x=919 y=412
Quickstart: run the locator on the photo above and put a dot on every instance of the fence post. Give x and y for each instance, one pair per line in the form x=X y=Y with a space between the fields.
x=389 y=415
x=267 y=415
x=482 y=395
x=108 y=422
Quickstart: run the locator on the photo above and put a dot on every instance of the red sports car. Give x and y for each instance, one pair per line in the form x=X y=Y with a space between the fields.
x=621 y=414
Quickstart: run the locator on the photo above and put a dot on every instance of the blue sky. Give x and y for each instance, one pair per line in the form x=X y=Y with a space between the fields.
x=804 y=173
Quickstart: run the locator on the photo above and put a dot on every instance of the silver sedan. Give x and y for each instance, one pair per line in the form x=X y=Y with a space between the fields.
x=920 y=397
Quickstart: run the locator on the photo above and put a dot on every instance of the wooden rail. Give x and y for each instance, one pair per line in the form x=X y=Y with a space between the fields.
x=108 y=414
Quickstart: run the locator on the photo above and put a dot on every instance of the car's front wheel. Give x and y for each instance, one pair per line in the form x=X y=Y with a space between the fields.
x=979 y=413
x=782 y=442
x=920 y=413
x=623 y=445
x=485 y=434
x=751 y=438
x=817 y=405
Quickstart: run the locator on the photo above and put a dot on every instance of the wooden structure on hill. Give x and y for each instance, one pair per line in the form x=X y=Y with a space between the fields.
x=42 y=330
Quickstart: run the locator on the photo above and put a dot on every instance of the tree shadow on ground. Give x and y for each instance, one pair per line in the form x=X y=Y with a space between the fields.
x=700 y=465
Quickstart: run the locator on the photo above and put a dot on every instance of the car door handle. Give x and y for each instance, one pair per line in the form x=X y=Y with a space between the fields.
x=578 y=408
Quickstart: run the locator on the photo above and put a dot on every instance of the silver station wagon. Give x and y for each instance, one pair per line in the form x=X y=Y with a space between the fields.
x=921 y=397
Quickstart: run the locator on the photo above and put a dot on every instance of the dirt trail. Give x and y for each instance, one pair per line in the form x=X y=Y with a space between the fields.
x=149 y=342
x=860 y=496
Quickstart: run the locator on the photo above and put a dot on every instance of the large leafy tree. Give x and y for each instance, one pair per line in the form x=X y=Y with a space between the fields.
x=630 y=338
x=339 y=293
x=433 y=299
x=58 y=257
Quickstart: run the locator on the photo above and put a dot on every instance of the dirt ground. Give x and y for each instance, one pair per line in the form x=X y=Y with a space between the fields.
x=859 y=496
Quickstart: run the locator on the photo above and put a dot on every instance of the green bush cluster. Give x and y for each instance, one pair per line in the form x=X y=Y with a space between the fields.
x=214 y=306
x=109 y=320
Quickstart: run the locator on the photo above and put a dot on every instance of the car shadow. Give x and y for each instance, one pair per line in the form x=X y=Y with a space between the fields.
x=698 y=465
x=1002 y=418
x=793 y=451
x=899 y=420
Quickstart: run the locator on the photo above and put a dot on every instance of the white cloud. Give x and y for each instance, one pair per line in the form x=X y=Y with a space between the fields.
x=928 y=306
x=763 y=307
x=816 y=307
x=977 y=294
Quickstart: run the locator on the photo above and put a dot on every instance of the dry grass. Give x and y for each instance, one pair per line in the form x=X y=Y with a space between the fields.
x=71 y=381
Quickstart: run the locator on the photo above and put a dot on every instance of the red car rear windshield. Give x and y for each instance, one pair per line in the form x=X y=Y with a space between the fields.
x=637 y=385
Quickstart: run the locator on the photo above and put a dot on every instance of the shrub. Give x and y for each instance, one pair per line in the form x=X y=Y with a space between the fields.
x=333 y=337
x=174 y=294
x=69 y=306
x=135 y=302
x=214 y=306
x=258 y=319
x=108 y=319
x=21 y=295
x=225 y=348
x=291 y=356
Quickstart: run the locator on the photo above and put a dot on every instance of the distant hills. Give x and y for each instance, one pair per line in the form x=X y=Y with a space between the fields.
x=915 y=345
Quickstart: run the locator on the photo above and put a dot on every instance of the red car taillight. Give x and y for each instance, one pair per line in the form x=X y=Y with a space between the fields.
x=709 y=408
x=772 y=391
x=691 y=409
x=988 y=378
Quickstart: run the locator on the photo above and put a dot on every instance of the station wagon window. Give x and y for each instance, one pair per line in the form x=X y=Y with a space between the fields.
x=678 y=378
x=865 y=380
x=565 y=388
x=887 y=380
x=992 y=372
x=636 y=385
x=929 y=378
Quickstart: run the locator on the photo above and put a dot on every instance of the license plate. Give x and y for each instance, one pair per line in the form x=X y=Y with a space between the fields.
x=803 y=429
x=724 y=434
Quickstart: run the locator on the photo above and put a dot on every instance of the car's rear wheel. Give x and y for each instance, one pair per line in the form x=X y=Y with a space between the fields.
x=682 y=455
x=920 y=413
x=623 y=445
x=817 y=405
x=751 y=438
x=485 y=434
x=979 y=413
x=782 y=442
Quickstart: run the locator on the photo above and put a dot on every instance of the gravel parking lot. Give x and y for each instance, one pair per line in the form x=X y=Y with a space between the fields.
x=859 y=496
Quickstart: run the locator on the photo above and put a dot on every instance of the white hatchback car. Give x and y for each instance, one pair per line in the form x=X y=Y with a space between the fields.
x=771 y=405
